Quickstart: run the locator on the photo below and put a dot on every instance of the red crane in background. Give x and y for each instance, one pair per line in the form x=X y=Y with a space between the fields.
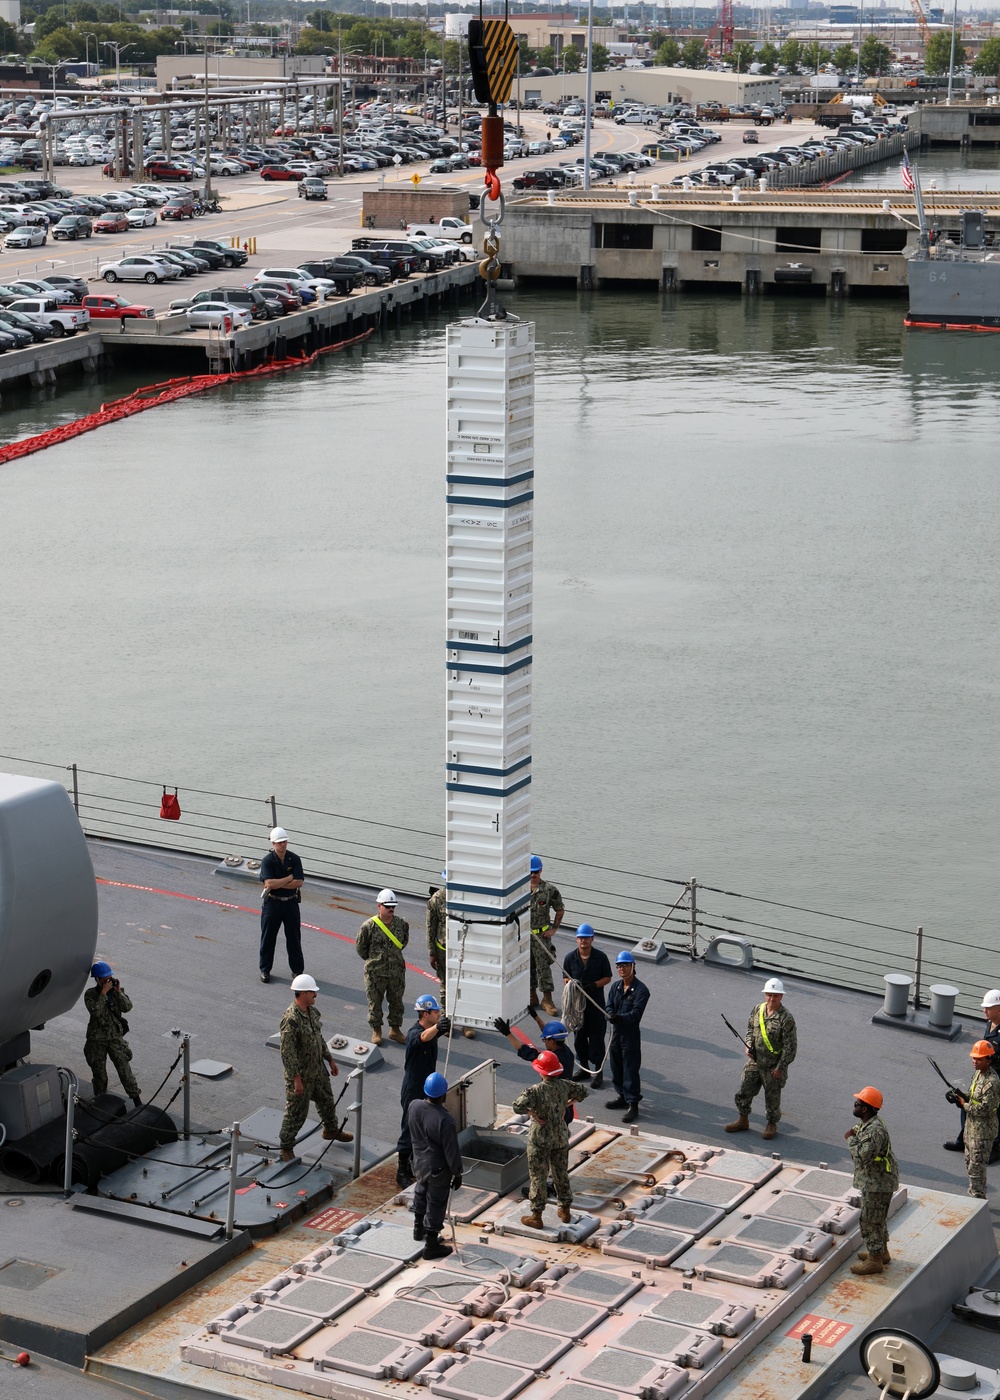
x=724 y=29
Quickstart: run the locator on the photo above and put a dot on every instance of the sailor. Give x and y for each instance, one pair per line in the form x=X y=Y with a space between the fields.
x=548 y=1136
x=380 y=942
x=106 y=1032
x=876 y=1176
x=308 y=1065
x=419 y=1060
x=437 y=1163
x=773 y=1042
x=991 y=1006
x=626 y=1002
x=980 y=1105
x=437 y=943
x=282 y=876
x=591 y=970
x=547 y=912
x=554 y=1036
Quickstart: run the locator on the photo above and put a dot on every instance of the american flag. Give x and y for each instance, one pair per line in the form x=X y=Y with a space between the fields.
x=906 y=173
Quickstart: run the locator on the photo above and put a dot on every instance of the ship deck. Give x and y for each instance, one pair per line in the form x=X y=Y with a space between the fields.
x=183 y=940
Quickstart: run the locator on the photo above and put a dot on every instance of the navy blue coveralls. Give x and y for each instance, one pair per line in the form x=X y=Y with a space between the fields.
x=589 y=1043
x=529 y=1053
x=420 y=1059
x=625 y=1056
x=436 y=1160
x=281 y=907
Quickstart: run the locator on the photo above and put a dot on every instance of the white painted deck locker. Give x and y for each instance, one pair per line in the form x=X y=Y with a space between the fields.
x=490 y=491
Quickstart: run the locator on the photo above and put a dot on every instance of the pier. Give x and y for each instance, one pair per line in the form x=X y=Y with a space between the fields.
x=832 y=241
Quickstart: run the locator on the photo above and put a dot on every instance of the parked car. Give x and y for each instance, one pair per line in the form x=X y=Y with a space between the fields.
x=166 y=170
x=27 y=236
x=73 y=226
x=142 y=216
x=61 y=320
x=217 y=315
x=262 y=306
x=371 y=274
x=115 y=222
x=64 y=285
x=278 y=172
x=446 y=227
x=141 y=268
x=107 y=306
x=39 y=287
x=17 y=321
x=181 y=207
x=231 y=257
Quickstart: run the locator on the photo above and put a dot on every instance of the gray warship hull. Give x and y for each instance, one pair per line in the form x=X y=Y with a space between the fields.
x=955 y=293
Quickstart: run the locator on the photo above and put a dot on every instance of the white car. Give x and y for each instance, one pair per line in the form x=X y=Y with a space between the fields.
x=213 y=315
x=320 y=285
x=27 y=236
x=141 y=218
x=140 y=269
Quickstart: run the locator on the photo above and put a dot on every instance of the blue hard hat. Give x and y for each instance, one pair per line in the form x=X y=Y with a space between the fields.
x=101 y=969
x=435 y=1086
x=554 y=1030
x=536 y=864
x=585 y=931
x=625 y=957
x=427 y=1002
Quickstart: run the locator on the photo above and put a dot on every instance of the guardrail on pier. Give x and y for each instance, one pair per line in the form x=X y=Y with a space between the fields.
x=837 y=949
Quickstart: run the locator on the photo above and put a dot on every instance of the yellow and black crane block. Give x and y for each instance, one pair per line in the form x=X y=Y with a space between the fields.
x=492 y=58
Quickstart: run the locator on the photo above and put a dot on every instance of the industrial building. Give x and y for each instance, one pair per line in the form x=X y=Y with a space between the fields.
x=656 y=87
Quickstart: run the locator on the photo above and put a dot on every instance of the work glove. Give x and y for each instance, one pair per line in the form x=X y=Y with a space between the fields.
x=951 y=1096
x=456 y=1182
x=532 y=1009
x=611 y=1017
x=502 y=1026
x=444 y=1025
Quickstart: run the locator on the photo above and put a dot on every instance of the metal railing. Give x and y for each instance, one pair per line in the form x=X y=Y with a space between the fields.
x=836 y=949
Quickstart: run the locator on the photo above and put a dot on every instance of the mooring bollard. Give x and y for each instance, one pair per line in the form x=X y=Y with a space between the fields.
x=942 y=1012
x=897 y=993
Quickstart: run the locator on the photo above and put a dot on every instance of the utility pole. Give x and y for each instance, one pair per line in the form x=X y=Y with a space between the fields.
x=951 y=61
x=208 y=152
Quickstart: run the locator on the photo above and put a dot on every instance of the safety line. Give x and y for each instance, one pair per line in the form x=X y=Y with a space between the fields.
x=241 y=909
x=167 y=392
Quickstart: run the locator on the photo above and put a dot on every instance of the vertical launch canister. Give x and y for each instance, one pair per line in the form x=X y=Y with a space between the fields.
x=490 y=511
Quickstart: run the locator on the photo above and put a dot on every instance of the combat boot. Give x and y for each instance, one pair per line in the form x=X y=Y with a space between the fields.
x=741 y=1125
x=419 y=1233
x=885 y=1257
x=404 y=1176
x=377 y=1037
x=397 y=1035
x=565 y=1214
x=469 y=1033
x=534 y=1222
x=770 y=1131
x=286 y=1154
x=549 y=1006
x=434 y=1249
x=337 y=1135
x=869 y=1266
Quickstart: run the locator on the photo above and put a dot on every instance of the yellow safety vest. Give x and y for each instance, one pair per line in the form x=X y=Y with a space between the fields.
x=763 y=1030
x=388 y=932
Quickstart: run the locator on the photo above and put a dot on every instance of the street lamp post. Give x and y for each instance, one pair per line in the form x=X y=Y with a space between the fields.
x=951 y=60
x=86 y=50
x=588 y=107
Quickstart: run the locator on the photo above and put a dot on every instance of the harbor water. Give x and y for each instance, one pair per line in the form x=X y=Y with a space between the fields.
x=766 y=593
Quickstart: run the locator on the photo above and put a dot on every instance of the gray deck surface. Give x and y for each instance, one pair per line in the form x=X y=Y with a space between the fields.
x=184 y=943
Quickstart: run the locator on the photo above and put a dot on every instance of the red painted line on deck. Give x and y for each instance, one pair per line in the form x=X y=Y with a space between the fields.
x=240 y=909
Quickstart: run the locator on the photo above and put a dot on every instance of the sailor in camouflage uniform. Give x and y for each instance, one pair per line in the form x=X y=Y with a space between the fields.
x=980 y=1105
x=308 y=1065
x=876 y=1176
x=773 y=1039
x=547 y=912
x=437 y=943
x=380 y=942
x=106 y=1031
x=548 y=1136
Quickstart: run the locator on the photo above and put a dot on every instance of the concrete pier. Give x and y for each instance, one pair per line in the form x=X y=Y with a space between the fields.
x=838 y=241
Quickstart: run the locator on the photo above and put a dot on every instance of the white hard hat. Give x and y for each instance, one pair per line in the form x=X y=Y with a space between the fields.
x=279 y=834
x=991 y=998
x=304 y=983
x=385 y=897
x=776 y=986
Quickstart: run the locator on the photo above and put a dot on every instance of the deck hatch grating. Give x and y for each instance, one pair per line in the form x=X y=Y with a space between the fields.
x=737 y=1260
x=597 y=1286
x=367 y=1348
x=712 y=1190
x=833 y=1184
x=777 y=1233
x=558 y=1315
x=486 y=1378
x=647 y=1239
x=804 y=1210
x=689 y=1216
x=403 y=1318
x=691 y=1308
x=741 y=1166
x=272 y=1326
x=317 y=1296
x=525 y=1347
x=584 y=1392
x=443 y=1289
x=485 y=1259
x=622 y=1369
x=358 y=1268
x=396 y=1241
x=653 y=1338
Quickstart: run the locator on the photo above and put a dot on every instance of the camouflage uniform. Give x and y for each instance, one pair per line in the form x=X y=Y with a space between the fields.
x=437 y=930
x=980 y=1127
x=106 y=1039
x=757 y=1072
x=304 y=1053
x=385 y=970
x=546 y=902
x=876 y=1176
x=548 y=1140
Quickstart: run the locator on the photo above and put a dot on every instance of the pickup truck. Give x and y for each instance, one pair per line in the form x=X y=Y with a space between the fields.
x=60 y=320
x=425 y=259
x=446 y=227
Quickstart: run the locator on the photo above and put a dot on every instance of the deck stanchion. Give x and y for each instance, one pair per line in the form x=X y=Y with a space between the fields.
x=357 y=1109
x=274 y=811
x=72 y=1085
x=234 y=1159
x=693 y=936
x=76 y=789
x=917 y=967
